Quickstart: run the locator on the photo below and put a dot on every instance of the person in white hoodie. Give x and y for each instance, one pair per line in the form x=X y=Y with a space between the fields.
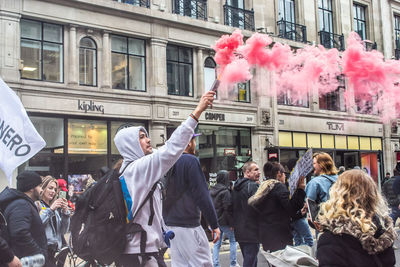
x=143 y=168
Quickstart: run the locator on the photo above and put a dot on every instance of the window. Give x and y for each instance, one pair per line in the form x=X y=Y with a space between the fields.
x=397 y=36
x=325 y=13
x=87 y=62
x=179 y=70
x=209 y=73
x=334 y=100
x=243 y=90
x=192 y=8
x=42 y=51
x=286 y=11
x=360 y=21
x=128 y=63
x=286 y=99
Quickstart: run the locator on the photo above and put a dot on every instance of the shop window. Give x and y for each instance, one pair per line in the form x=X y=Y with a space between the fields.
x=359 y=20
x=340 y=142
x=353 y=143
x=50 y=160
x=87 y=62
x=314 y=140
x=179 y=70
x=42 y=51
x=327 y=141
x=209 y=73
x=223 y=148
x=299 y=140
x=285 y=139
x=128 y=63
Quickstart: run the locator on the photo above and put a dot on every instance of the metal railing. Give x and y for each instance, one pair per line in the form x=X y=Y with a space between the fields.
x=239 y=17
x=191 y=8
x=142 y=3
x=331 y=40
x=292 y=31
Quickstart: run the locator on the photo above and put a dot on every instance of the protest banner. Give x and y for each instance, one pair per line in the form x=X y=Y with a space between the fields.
x=19 y=140
x=303 y=167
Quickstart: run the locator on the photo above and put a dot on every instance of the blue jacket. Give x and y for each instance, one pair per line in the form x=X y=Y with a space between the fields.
x=185 y=212
x=318 y=188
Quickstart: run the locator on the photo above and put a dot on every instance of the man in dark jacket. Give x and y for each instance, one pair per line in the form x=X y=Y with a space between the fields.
x=244 y=216
x=26 y=233
x=7 y=257
x=221 y=196
x=392 y=198
x=187 y=182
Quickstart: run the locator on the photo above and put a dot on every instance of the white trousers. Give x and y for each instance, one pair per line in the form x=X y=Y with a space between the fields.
x=190 y=247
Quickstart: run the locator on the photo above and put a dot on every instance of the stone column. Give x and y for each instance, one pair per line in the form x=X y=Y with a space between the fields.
x=200 y=73
x=73 y=56
x=158 y=133
x=387 y=150
x=10 y=45
x=105 y=78
x=157 y=75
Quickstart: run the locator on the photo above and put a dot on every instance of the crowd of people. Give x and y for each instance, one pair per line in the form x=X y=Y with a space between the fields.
x=354 y=226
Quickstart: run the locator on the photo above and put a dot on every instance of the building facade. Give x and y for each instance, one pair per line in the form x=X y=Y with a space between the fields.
x=86 y=68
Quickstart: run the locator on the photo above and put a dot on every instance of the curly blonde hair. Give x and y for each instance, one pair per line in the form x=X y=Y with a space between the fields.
x=354 y=196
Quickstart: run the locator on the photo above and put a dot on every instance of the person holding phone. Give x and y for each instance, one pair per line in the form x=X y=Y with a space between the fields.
x=55 y=216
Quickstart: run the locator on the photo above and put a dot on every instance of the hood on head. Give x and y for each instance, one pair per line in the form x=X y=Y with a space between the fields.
x=223 y=178
x=128 y=145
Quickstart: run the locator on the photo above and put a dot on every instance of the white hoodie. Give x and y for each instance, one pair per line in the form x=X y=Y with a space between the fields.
x=144 y=172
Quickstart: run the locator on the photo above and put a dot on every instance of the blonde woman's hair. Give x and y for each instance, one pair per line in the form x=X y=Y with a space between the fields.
x=354 y=196
x=326 y=162
x=45 y=183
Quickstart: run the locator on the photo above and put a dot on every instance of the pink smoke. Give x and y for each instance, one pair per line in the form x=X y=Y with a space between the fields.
x=371 y=81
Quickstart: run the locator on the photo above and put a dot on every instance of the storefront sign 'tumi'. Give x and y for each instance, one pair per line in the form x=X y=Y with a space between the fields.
x=335 y=126
x=91 y=106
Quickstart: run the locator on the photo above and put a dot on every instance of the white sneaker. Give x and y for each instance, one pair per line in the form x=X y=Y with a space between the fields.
x=237 y=265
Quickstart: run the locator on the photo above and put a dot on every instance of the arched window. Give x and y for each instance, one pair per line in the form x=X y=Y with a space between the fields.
x=209 y=73
x=87 y=62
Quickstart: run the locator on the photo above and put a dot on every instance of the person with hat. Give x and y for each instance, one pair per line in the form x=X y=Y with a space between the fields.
x=188 y=185
x=25 y=231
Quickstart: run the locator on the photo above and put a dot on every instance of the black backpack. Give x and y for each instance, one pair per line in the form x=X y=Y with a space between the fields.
x=99 y=226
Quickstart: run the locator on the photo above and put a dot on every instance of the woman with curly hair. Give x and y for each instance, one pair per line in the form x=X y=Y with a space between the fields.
x=357 y=229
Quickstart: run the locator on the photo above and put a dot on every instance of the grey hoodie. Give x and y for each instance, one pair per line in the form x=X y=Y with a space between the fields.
x=144 y=172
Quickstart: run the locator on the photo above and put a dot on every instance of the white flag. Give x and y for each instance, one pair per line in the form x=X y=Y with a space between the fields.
x=19 y=140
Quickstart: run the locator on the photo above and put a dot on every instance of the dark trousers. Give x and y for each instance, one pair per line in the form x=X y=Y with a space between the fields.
x=135 y=260
x=249 y=252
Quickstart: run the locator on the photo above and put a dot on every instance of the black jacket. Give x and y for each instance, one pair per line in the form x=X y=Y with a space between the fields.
x=244 y=216
x=26 y=233
x=392 y=198
x=189 y=179
x=275 y=210
x=221 y=196
x=345 y=250
x=6 y=255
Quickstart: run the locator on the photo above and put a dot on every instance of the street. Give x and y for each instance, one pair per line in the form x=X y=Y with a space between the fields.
x=224 y=257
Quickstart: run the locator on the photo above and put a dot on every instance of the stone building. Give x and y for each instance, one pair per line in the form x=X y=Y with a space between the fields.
x=85 y=68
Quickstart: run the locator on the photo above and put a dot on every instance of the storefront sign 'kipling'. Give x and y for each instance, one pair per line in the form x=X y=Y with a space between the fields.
x=215 y=116
x=91 y=106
